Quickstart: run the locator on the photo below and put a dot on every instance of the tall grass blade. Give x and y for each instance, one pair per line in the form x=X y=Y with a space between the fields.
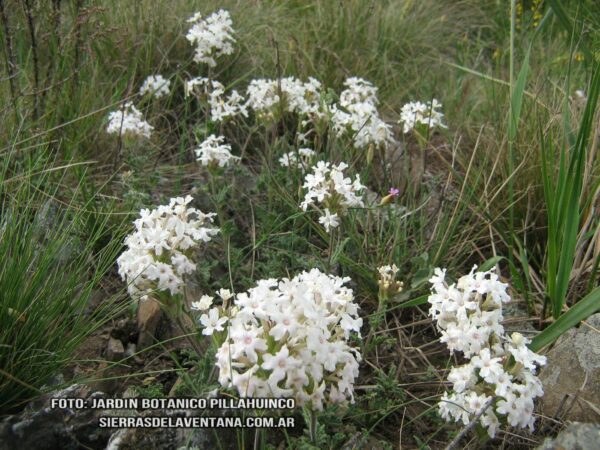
x=580 y=311
x=563 y=201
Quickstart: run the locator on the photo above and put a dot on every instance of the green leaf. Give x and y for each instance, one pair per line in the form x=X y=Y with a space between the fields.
x=337 y=252
x=517 y=98
x=488 y=264
x=420 y=277
x=581 y=311
x=414 y=302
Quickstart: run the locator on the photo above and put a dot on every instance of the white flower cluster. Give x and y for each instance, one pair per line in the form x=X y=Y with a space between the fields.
x=289 y=338
x=359 y=116
x=328 y=186
x=222 y=107
x=158 y=253
x=356 y=115
x=295 y=96
x=128 y=120
x=156 y=86
x=500 y=370
x=415 y=114
x=214 y=152
x=212 y=36
x=388 y=284
x=300 y=159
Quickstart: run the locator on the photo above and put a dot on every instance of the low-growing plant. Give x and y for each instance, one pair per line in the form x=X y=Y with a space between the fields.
x=51 y=268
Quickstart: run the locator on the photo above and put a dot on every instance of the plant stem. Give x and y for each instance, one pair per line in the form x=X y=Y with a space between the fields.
x=330 y=250
x=313 y=427
x=193 y=342
x=454 y=443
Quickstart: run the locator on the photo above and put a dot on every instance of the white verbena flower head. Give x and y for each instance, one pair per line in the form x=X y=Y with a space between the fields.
x=328 y=187
x=417 y=114
x=289 y=338
x=212 y=36
x=156 y=85
x=265 y=97
x=222 y=106
x=159 y=252
x=501 y=370
x=214 y=152
x=128 y=120
x=357 y=115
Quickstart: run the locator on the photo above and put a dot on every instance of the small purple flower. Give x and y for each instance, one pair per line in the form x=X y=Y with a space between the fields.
x=394 y=192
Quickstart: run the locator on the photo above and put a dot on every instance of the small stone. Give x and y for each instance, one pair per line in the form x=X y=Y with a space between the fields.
x=176 y=386
x=148 y=316
x=577 y=436
x=115 y=350
x=130 y=350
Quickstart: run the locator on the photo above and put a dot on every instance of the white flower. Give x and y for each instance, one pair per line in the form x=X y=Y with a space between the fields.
x=212 y=36
x=489 y=368
x=329 y=220
x=203 y=304
x=300 y=159
x=307 y=321
x=417 y=113
x=212 y=322
x=279 y=364
x=156 y=85
x=462 y=378
x=128 y=120
x=213 y=151
x=158 y=252
x=225 y=294
x=523 y=355
x=490 y=421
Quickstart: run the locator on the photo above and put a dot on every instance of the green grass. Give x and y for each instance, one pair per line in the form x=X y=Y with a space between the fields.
x=54 y=260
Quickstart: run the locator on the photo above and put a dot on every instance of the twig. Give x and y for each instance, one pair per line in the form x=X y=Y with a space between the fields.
x=454 y=443
x=28 y=7
x=9 y=58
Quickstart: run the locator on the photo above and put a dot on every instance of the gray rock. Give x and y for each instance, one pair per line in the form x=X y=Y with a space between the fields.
x=572 y=373
x=148 y=316
x=577 y=436
x=115 y=350
x=41 y=427
x=46 y=428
